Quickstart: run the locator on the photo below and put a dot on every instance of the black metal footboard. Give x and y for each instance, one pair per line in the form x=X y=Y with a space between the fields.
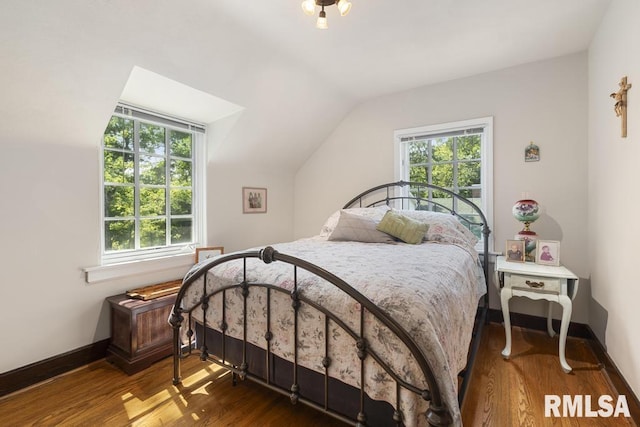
x=401 y=195
x=438 y=413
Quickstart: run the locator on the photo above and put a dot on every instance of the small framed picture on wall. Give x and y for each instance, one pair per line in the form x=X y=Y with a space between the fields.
x=514 y=251
x=254 y=200
x=548 y=252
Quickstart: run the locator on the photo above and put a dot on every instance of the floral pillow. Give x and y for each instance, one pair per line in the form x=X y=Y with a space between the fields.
x=357 y=228
x=443 y=228
x=375 y=213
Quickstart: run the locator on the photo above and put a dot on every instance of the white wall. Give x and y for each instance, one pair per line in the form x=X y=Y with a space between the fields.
x=613 y=183
x=49 y=228
x=59 y=85
x=544 y=102
x=227 y=225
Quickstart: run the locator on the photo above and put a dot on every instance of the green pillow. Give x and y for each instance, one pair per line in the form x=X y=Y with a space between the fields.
x=402 y=227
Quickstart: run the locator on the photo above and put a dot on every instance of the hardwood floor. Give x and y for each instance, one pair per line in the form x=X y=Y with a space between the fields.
x=501 y=393
x=512 y=392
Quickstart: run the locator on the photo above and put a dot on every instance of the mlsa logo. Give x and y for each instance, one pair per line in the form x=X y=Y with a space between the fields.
x=581 y=406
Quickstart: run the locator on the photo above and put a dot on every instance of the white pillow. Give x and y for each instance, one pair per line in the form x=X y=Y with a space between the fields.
x=357 y=228
x=375 y=213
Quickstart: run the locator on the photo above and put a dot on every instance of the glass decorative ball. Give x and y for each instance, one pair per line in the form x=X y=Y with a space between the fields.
x=526 y=210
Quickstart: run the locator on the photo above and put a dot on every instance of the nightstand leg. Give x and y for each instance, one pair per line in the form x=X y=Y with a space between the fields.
x=550 y=330
x=565 y=302
x=505 y=295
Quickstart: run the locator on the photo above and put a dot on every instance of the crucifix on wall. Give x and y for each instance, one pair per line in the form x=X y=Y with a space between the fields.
x=620 y=106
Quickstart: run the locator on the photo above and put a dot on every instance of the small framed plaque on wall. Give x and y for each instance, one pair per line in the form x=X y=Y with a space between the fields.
x=254 y=200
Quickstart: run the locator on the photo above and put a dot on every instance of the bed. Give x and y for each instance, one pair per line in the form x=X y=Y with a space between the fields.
x=354 y=321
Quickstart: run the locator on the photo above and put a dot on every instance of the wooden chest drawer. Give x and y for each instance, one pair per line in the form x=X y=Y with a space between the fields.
x=533 y=283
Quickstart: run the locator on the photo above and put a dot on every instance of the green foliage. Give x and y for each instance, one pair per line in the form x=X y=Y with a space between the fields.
x=118 y=167
x=181 y=173
x=152 y=170
x=181 y=230
x=118 y=201
x=181 y=144
x=443 y=159
x=181 y=201
x=445 y=162
x=152 y=201
x=153 y=232
x=120 y=194
x=119 y=235
x=151 y=139
x=119 y=134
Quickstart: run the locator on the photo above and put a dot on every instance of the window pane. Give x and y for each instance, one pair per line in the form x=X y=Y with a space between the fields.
x=119 y=133
x=151 y=138
x=442 y=149
x=118 y=201
x=418 y=152
x=181 y=201
x=119 y=235
x=181 y=230
x=419 y=192
x=468 y=147
x=180 y=144
x=152 y=201
x=472 y=194
x=153 y=232
x=468 y=174
x=442 y=198
x=148 y=178
x=442 y=175
x=418 y=174
x=180 y=173
x=152 y=170
x=118 y=167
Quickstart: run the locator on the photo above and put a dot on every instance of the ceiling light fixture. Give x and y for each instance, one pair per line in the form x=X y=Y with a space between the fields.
x=309 y=8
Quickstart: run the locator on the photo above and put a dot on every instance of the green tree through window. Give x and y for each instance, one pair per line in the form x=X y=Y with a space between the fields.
x=454 y=156
x=148 y=176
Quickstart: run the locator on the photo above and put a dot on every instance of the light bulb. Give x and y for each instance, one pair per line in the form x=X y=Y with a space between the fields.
x=344 y=6
x=322 y=21
x=309 y=7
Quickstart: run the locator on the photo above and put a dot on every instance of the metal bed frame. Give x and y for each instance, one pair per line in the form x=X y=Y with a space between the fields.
x=399 y=194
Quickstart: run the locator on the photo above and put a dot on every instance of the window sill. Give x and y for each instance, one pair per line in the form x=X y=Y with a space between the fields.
x=117 y=271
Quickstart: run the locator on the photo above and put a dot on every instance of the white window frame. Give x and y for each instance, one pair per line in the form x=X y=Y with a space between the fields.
x=199 y=191
x=401 y=169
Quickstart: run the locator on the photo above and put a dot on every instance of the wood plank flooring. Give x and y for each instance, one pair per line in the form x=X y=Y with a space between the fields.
x=501 y=393
x=511 y=392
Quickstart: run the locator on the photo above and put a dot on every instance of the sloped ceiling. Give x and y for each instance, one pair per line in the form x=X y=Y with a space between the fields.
x=65 y=63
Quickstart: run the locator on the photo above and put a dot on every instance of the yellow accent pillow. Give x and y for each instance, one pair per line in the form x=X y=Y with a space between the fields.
x=402 y=227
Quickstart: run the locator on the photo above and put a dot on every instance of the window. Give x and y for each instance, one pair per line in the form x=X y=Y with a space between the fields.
x=456 y=156
x=152 y=182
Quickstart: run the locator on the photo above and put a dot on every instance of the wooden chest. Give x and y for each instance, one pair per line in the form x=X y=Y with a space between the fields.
x=140 y=332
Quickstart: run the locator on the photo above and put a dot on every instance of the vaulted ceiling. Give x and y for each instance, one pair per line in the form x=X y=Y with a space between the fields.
x=65 y=63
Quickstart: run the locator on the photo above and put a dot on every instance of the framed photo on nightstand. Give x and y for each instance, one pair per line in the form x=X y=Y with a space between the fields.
x=548 y=252
x=514 y=251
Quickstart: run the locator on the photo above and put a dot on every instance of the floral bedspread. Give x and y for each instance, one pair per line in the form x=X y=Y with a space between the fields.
x=431 y=290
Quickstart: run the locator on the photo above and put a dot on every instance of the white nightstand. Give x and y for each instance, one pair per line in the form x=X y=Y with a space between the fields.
x=535 y=281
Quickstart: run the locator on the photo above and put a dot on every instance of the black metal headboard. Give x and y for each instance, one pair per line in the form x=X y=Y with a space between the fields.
x=421 y=196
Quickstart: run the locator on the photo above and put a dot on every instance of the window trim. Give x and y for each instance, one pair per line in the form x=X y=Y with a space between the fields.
x=121 y=270
x=486 y=176
x=198 y=132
